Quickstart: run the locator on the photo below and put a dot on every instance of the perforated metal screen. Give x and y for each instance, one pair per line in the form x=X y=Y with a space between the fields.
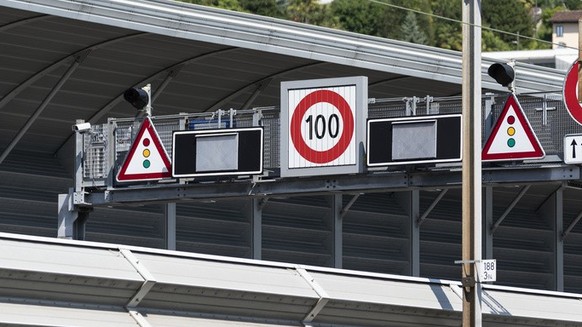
x=546 y=113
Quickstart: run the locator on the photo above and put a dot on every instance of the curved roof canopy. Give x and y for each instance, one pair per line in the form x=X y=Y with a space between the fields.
x=66 y=60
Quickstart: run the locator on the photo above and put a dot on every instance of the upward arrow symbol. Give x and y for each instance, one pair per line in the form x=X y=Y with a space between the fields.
x=573 y=144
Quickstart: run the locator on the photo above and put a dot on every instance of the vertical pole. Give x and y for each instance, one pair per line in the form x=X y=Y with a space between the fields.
x=256 y=214
x=559 y=242
x=414 y=233
x=337 y=230
x=488 y=222
x=471 y=184
x=170 y=217
x=410 y=201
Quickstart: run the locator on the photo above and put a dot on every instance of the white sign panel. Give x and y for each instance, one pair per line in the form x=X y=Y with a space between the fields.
x=487 y=270
x=323 y=126
x=573 y=149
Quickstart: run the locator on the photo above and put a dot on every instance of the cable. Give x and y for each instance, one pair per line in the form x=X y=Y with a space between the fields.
x=459 y=21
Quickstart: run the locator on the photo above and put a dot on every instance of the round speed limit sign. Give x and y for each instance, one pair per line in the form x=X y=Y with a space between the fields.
x=323 y=126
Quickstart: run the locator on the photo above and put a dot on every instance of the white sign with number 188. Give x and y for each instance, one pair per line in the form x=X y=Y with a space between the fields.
x=488 y=270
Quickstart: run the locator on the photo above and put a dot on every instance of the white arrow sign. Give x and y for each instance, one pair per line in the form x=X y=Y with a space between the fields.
x=573 y=149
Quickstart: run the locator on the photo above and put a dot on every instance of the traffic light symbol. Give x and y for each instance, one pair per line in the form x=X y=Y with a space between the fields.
x=147 y=158
x=512 y=137
x=146 y=153
x=511 y=131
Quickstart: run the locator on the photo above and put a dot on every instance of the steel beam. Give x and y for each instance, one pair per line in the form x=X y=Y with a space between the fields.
x=350 y=203
x=509 y=208
x=421 y=219
x=567 y=231
x=551 y=211
x=336 y=223
x=361 y=183
x=41 y=108
x=256 y=222
x=488 y=221
x=170 y=222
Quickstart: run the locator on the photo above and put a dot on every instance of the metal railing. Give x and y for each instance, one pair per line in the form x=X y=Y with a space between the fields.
x=106 y=145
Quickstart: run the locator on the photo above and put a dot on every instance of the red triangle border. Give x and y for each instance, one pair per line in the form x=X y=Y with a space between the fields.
x=122 y=176
x=538 y=151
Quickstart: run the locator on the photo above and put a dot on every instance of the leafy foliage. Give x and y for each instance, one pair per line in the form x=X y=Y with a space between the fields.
x=514 y=23
x=358 y=16
x=410 y=31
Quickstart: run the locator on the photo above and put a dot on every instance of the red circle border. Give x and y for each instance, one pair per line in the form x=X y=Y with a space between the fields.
x=335 y=99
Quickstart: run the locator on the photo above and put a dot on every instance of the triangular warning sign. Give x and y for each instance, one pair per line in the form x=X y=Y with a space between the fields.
x=147 y=158
x=512 y=137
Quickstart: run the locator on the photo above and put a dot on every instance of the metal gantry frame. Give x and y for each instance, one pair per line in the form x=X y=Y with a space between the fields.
x=407 y=183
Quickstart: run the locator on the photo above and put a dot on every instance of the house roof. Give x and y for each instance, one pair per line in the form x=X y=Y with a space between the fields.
x=567 y=16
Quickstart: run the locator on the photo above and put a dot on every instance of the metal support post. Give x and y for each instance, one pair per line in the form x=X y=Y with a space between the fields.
x=66 y=216
x=256 y=220
x=411 y=105
x=488 y=113
x=471 y=179
x=552 y=212
x=337 y=230
x=170 y=225
x=71 y=219
x=428 y=99
x=414 y=233
x=488 y=221
x=410 y=201
x=258 y=118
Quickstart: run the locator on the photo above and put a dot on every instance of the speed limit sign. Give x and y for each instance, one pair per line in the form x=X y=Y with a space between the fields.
x=322 y=126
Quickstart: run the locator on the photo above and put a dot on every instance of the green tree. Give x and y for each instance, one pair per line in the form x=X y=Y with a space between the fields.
x=508 y=16
x=268 y=8
x=310 y=12
x=573 y=4
x=357 y=16
x=410 y=31
x=448 y=32
x=490 y=41
x=225 y=4
x=393 y=17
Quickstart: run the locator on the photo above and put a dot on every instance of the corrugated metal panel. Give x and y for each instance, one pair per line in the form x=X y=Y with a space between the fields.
x=169 y=319
x=376 y=235
x=211 y=290
x=294 y=229
x=65 y=314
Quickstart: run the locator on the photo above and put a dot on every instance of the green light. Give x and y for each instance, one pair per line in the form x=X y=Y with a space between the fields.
x=511 y=142
x=146 y=163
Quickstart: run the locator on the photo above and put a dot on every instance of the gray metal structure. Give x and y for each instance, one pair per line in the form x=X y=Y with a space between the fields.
x=69 y=60
x=95 y=284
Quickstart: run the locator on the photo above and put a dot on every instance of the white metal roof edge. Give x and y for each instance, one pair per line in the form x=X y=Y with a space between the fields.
x=273 y=264
x=260 y=33
x=501 y=301
x=210 y=257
